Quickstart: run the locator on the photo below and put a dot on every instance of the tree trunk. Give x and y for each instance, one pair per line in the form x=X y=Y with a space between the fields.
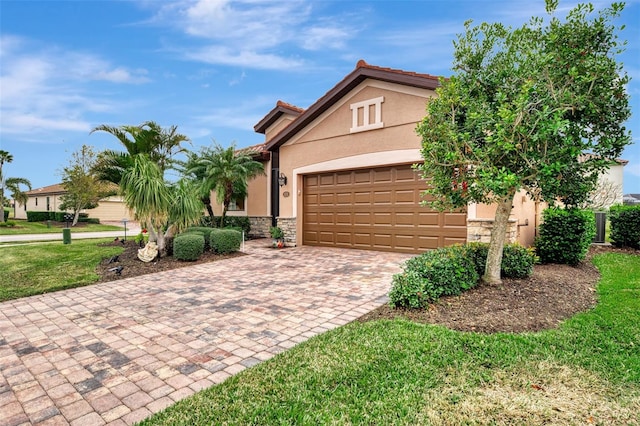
x=496 y=245
x=76 y=216
x=1 y=202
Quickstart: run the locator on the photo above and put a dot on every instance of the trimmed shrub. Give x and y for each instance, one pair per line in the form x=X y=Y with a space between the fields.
x=206 y=233
x=225 y=241
x=517 y=261
x=189 y=246
x=565 y=235
x=7 y=224
x=6 y=215
x=625 y=226
x=477 y=252
x=442 y=272
x=38 y=216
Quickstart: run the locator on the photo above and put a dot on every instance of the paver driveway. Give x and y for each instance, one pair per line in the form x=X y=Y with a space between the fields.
x=114 y=353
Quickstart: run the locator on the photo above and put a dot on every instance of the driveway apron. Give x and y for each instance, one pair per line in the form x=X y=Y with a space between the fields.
x=116 y=352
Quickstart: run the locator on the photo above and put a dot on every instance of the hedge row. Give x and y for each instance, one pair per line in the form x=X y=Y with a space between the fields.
x=36 y=216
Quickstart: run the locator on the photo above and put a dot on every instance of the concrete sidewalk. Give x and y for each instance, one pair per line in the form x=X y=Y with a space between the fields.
x=132 y=231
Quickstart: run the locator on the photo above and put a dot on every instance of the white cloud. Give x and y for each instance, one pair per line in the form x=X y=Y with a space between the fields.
x=46 y=89
x=242 y=58
x=252 y=33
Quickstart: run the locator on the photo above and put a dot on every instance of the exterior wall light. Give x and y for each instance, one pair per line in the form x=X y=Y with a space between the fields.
x=282 y=179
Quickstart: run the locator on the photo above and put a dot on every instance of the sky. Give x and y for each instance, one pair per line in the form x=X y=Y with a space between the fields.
x=214 y=68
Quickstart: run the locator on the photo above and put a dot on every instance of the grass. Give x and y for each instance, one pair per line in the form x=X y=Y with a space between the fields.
x=36 y=269
x=397 y=372
x=24 y=227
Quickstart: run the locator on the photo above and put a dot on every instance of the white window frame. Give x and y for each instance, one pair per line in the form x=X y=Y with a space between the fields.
x=367 y=124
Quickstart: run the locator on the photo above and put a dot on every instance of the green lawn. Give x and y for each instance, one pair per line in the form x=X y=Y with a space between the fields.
x=35 y=269
x=398 y=372
x=24 y=227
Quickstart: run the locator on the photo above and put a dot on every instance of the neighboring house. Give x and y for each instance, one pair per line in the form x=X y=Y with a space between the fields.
x=631 y=199
x=339 y=173
x=48 y=198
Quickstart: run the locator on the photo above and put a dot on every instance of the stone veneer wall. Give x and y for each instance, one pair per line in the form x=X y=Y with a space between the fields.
x=260 y=226
x=480 y=230
x=288 y=226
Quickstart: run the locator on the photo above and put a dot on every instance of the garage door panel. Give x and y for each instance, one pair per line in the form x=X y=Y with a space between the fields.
x=382 y=197
x=455 y=219
x=406 y=196
x=360 y=177
x=375 y=209
x=382 y=176
x=426 y=218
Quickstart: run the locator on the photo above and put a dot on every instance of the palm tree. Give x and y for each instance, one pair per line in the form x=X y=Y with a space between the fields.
x=193 y=169
x=165 y=209
x=149 y=138
x=226 y=172
x=12 y=184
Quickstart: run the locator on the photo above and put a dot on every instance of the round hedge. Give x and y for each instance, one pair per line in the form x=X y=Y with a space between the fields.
x=189 y=246
x=225 y=240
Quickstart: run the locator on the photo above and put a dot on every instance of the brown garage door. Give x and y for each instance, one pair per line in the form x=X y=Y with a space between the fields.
x=375 y=209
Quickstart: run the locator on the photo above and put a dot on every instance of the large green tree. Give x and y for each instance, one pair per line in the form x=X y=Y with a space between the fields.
x=82 y=186
x=225 y=171
x=164 y=208
x=522 y=109
x=13 y=184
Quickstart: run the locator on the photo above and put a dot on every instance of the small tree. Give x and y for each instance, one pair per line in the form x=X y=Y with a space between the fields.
x=522 y=108
x=13 y=184
x=164 y=209
x=82 y=186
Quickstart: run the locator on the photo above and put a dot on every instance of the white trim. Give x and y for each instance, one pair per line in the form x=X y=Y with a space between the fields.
x=374 y=159
x=472 y=211
x=366 y=105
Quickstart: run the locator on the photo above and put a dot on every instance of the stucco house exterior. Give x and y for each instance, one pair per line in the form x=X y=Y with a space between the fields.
x=339 y=173
x=48 y=198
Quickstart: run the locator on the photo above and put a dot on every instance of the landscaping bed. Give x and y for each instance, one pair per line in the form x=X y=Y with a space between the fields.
x=133 y=267
x=552 y=294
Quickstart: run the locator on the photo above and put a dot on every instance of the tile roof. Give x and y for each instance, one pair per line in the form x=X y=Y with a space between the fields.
x=51 y=189
x=255 y=151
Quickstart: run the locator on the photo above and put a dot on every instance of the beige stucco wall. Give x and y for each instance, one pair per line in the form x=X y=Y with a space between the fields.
x=280 y=124
x=39 y=204
x=110 y=209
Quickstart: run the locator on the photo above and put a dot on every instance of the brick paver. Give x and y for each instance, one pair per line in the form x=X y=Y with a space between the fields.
x=113 y=353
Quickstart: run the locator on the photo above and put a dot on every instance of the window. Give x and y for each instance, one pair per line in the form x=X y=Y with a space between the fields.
x=48 y=206
x=236 y=205
x=36 y=201
x=366 y=115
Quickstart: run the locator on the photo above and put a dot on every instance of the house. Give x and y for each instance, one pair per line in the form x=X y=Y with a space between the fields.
x=48 y=198
x=339 y=173
x=631 y=199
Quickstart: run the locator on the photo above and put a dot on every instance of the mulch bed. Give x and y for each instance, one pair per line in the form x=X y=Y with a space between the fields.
x=552 y=294
x=133 y=267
